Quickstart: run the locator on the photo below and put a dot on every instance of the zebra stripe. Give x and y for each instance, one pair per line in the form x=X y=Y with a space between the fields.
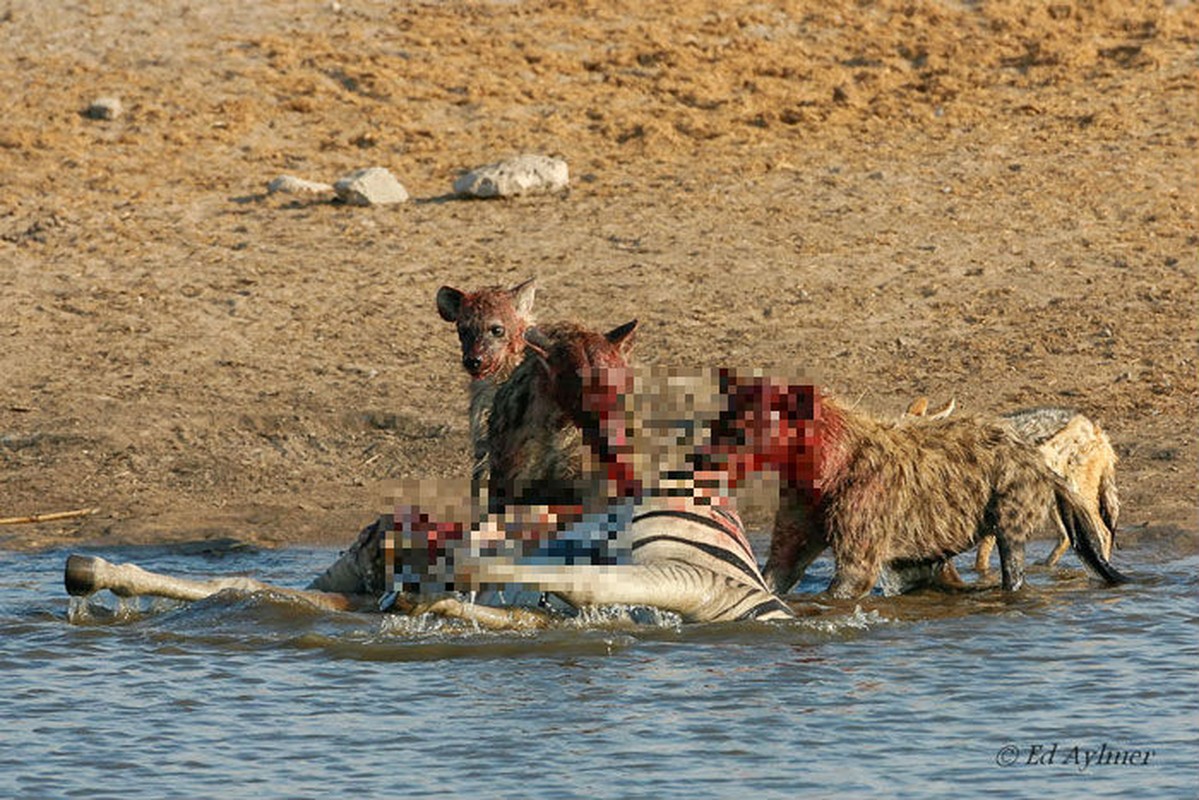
x=730 y=527
x=767 y=608
x=700 y=537
x=715 y=552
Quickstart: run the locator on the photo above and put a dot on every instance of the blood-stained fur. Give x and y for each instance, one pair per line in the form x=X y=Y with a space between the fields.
x=491 y=324
x=536 y=446
x=889 y=493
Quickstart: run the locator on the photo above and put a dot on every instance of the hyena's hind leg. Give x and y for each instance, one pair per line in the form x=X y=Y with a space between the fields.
x=982 y=562
x=1011 y=561
x=1109 y=507
x=1063 y=543
x=1017 y=510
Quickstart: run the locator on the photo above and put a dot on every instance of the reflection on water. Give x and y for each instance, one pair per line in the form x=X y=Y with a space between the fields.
x=926 y=695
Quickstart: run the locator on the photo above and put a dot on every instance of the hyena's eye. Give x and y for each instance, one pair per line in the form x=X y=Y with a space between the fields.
x=497 y=331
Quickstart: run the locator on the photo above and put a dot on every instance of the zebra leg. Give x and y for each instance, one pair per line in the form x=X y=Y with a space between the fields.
x=86 y=575
x=695 y=593
x=484 y=616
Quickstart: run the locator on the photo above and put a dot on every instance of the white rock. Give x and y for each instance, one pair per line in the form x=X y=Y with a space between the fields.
x=105 y=108
x=526 y=174
x=293 y=185
x=374 y=186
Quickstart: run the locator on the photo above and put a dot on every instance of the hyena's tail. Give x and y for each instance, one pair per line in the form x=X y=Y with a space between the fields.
x=1080 y=527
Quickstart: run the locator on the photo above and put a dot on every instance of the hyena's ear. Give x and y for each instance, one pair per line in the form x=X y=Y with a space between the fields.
x=622 y=337
x=917 y=408
x=522 y=296
x=449 y=303
x=946 y=411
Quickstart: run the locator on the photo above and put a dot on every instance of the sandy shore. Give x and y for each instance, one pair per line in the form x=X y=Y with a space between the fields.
x=994 y=202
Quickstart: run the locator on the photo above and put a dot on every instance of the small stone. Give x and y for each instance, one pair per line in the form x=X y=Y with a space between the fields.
x=290 y=184
x=527 y=174
x=374 y=186
x=105 y=108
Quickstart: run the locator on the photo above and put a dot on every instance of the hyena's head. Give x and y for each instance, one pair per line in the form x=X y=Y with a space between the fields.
x=763 y=426
x=587 y=375
x=491 y=325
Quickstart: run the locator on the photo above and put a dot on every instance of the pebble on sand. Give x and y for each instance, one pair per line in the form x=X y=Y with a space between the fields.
x=527 y=174
x=290 y=184
x=105 y=108
x=374 y=186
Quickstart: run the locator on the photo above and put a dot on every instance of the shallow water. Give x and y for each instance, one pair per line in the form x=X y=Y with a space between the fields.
x=894 y=697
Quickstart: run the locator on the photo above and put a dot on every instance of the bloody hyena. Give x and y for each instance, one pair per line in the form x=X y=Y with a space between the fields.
x=533 y=449
x=1076 y=449
x=685 y=553
x=887 y=493
x=491 y=324
x=536 y=453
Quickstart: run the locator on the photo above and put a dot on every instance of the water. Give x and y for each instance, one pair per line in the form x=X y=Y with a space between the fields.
x=240 y=696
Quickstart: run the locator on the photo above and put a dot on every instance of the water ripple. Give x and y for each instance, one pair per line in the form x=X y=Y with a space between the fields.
x=910 y=696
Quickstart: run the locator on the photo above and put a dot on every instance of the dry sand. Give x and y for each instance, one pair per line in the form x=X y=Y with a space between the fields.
x=992 y=201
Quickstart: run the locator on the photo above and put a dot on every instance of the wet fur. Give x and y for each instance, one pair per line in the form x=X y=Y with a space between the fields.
x=892 y=493
x=1078 y=451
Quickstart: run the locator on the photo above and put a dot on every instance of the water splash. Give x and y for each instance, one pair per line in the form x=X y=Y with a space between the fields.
x=79 y=611
x=128 y=609
x=622 y=617
x=858 y=620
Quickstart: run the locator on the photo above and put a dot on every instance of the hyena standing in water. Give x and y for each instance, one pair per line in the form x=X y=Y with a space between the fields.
x=491 y=324
x=888 y=493
x=1077 y=450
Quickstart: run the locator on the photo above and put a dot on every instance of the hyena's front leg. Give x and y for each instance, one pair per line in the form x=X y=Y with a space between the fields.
x=859 y=562
x=853 y=580
x=1011 y=560
x=795 y=541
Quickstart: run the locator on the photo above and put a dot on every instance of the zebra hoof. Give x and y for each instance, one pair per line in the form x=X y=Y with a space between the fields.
x=80 y=575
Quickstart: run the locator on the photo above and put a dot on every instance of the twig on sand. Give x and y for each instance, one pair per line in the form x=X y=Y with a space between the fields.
x=79 y=512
